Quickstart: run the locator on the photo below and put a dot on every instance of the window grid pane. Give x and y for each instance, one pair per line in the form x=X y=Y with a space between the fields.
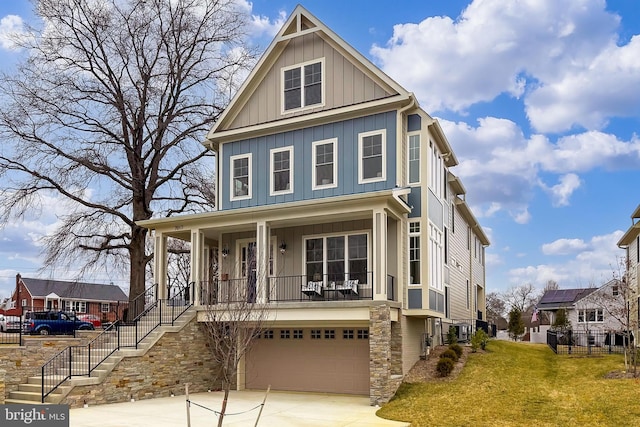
x=281 y=171
x=372 y=156
x=324 y=164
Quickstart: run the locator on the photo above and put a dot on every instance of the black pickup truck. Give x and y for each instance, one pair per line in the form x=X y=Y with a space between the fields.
x=53 y=323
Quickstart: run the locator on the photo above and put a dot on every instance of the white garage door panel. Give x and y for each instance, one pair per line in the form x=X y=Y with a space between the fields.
x=319 y=365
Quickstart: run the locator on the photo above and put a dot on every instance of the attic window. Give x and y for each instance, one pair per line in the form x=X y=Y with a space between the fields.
x=302 y=85
x=615 y=291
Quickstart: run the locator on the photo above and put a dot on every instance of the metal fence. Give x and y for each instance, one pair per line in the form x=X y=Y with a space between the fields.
x=587 y=342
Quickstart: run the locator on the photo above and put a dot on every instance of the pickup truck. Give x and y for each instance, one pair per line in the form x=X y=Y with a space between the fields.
x=53 y=322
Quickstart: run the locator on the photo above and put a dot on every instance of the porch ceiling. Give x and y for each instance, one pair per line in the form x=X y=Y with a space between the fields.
x=317 y=211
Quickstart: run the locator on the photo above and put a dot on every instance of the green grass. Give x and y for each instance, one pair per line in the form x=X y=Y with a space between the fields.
x=518 y=384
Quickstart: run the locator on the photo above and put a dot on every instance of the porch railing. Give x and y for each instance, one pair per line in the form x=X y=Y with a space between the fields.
x=83 y=360
x=328 y=287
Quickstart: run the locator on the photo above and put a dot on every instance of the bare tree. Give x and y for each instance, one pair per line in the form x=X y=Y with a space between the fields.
x=521 y=297
x=618 y=299
x=551 y=285
x=235 y=319
x=107 y=113
x=495 y=306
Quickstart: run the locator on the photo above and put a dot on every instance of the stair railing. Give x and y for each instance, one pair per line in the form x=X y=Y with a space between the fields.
x=120 y=334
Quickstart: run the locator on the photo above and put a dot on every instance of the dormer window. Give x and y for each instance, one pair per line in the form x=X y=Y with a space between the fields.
x=302 y=85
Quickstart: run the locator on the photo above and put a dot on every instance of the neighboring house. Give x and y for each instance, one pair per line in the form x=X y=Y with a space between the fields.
x=106 y=301
x=588 y=309
x=630 y=242
x=336 y=206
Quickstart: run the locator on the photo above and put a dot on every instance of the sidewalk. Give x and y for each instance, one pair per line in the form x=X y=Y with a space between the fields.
x=281 y=409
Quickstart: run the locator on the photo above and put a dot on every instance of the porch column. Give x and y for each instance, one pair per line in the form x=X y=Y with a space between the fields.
x=197 y=264
x=379 y=254
x=263 y=247
x=160 y=264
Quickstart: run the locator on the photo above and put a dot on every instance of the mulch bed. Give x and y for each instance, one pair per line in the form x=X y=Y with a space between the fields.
x=425 y=370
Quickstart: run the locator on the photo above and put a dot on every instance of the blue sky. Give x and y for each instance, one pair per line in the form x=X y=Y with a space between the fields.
x=540 y=100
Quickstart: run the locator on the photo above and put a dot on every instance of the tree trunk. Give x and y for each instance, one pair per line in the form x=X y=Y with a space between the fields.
x=137 y=270
x=223 y=409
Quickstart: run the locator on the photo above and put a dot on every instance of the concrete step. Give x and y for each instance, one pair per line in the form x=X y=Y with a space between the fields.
x=35 y=397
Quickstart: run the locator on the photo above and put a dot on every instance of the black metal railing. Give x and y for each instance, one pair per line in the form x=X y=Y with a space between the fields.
x=587 y=342
x=328 y=287
x=83 y=360
x=11 y=330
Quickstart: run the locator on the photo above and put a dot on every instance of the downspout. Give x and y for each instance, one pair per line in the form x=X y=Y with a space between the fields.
x=399 y=161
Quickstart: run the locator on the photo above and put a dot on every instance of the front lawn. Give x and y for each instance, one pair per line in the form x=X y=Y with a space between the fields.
x=521 y=384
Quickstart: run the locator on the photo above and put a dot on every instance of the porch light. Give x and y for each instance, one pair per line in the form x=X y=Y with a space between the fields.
x=225 y=252
x=283 y=247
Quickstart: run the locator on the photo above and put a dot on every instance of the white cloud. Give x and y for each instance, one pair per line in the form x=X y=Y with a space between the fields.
x=607 y=86
x=10 y=28
x=564 y=247
x=508 y=46
x=593 y=263
x=561 y=192
x=501 y=168
x=264 y=26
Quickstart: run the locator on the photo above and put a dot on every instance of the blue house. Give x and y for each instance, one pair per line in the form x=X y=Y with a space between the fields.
x=338 y=209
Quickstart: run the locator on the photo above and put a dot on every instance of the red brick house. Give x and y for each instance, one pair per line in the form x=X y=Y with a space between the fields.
x=105 y=301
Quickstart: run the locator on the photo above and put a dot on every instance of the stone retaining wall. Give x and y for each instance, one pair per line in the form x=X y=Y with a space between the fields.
x=21 y=362
x=176 y=359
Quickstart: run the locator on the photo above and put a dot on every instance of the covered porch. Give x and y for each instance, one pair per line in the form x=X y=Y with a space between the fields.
x=336 y=249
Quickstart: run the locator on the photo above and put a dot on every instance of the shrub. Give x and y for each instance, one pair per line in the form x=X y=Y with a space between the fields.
x=449 y=354
x=444 y=366
x=452 y=335
x=457 y=348
x=479 y=340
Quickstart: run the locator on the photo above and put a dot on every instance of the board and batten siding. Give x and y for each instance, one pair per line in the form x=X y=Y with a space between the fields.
x=344 y=84
x=459 y=267
x=346 y=132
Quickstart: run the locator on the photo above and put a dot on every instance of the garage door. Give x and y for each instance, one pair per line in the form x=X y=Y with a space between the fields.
x=315 y=360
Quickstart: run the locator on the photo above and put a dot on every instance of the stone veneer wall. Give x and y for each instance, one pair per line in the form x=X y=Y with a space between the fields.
x=22 y=362
x=396 y=348
x=2 y=386
x=379 y=353
x=176 y=359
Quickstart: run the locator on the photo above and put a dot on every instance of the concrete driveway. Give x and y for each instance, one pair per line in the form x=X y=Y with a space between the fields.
x=281 y=409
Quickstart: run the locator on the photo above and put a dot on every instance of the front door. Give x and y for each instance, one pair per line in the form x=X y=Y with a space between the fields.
x=248 y=268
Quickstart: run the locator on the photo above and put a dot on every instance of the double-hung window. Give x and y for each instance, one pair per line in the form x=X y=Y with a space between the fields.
x=281 y=171
x=371 y=150
x=302 y=85
x=241 y=177
x=324 y=172
x=414 y=159
x=591 y=315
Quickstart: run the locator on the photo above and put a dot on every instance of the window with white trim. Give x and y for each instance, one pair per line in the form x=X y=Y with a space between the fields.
x=414 y=253
x=79 y=306
x=591 y=315
x=324 y=171
x=436 y=171
x=337 y=258
x=302 y=85
x=281 y=170
x=240 y=176
x=104 y=307
x=371 y=154
x=414 y=159
x=435 y=258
